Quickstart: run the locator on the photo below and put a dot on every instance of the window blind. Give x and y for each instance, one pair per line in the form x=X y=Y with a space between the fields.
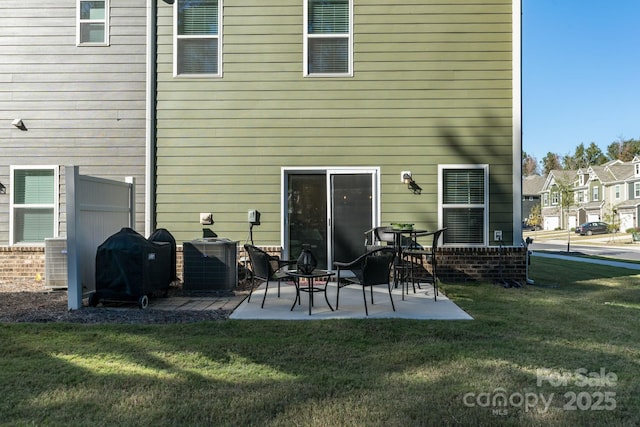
x=33 y=187
x=197 y=56
x=33 y=225
x=464 y=225
x=463 y=186
x=328 y=55
x=198 y=17
x=328 y=17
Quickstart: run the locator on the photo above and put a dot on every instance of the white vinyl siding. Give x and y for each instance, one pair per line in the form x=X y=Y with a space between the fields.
x=464 y=201
x=93 y=22
x=328 y=33
x=198 y=38
x=34 y=201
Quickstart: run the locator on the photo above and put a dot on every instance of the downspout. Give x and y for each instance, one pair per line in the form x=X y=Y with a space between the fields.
x=517 y=120
x=150 y=116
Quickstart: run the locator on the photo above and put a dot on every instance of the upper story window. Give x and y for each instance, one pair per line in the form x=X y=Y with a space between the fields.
x=554 y=198
x=581 y=179
x=464 y=200
x=595 y=194
x=579 y=196
x=617 y=192
x=637 y=169
x=328 y=34
x=197 y=38
x=545 y=199
x=636 y=190
x=93 y=22
x=34 y=201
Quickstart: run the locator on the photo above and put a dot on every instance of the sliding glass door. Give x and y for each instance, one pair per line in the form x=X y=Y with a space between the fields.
x=330 y=210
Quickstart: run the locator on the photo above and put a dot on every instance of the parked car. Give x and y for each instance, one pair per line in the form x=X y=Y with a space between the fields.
x=526 y=226
x=594 y=227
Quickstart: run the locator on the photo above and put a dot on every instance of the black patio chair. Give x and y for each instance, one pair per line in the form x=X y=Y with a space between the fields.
x=265 y=267
x=370 y=269
x=417 y=256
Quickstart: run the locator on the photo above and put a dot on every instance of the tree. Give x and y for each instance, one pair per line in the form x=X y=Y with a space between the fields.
x=564 y=185
x=535 y=216
x=529 y=165
x=593 y=155
x=623 y=149
x=550 y=162
x=584 y=157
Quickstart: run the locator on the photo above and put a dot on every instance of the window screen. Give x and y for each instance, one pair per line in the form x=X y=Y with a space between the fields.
x=328 y=37
x=92 y=22
x=198 y=37
x=464 y=205
x=34 y=199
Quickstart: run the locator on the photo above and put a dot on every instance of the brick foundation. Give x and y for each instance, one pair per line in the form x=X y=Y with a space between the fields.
x=454 y=264
x=482 y=264
x=21 y=262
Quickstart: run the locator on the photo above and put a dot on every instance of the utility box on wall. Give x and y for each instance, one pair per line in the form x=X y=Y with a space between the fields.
x=210 y=265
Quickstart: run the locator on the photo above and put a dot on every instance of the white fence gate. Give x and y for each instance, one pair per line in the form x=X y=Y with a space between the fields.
x=96 y=209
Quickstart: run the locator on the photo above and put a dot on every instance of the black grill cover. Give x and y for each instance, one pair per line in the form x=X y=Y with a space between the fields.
x=163 y=235
x=128 y=265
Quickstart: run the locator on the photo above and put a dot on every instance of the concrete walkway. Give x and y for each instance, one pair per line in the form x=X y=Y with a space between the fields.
x=197 y=303
x=612 y=263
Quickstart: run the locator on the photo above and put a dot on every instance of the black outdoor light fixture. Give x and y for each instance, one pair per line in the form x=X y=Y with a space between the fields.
x=411 y=184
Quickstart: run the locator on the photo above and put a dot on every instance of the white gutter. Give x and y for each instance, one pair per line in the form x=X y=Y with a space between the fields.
x=150 y=117
x=517 y=121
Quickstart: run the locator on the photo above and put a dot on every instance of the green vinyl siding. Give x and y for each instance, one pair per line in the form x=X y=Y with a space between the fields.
x=432 y=84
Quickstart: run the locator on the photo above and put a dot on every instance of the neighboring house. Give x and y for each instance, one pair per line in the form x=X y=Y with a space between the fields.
x=73 y=78
x=554 y=216
x=628 y=208
x=614 y=183
x=312 y=111
x=608 y=192
x=531 y=187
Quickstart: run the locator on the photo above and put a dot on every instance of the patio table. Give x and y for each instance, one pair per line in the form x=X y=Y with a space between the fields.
x=312 y=286
x=399 y=262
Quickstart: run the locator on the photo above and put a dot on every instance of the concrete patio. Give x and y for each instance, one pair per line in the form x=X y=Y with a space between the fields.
x=420 y=305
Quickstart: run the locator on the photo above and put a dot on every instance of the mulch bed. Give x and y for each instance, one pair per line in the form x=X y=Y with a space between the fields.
x=30 y=301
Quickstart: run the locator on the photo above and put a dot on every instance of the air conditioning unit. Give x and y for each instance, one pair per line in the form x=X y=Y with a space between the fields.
x=55 y=263
x=210 y=265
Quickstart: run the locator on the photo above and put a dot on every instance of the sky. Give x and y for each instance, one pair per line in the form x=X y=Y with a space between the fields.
x=580 y=74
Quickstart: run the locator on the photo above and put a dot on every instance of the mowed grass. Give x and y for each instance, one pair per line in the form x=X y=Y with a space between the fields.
x=562 y=352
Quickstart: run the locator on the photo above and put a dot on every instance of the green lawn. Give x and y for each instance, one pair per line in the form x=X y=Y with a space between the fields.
x=563 y=352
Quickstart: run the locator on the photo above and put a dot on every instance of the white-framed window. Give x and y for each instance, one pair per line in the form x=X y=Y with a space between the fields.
x=34 y=204
x=581 y=180
x=580 y=196
x=545 y=199
x=617 y=192
x=636 y=190
x=463 y=196
x=197 y=35
x=92 y=27
x=554 y=198
x=328 y=38
x=637 y=169
x=595 y=194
